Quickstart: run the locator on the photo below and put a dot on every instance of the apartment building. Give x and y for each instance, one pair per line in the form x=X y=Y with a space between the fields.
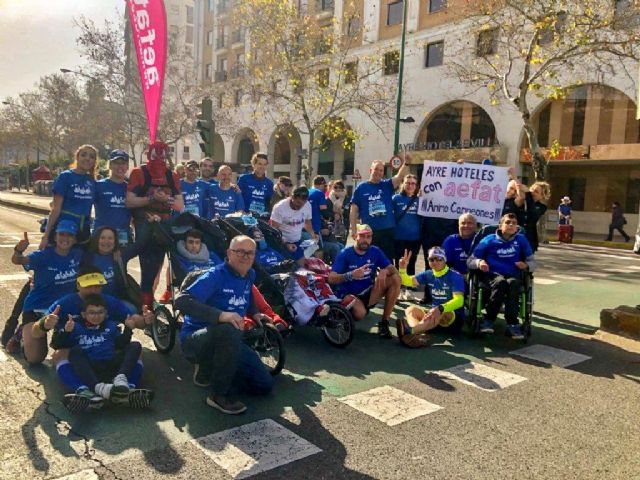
x=599 y=161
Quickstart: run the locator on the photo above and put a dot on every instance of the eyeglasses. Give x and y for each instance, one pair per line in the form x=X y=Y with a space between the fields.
x=244 y=253
x=94 y=313
x=436 y=259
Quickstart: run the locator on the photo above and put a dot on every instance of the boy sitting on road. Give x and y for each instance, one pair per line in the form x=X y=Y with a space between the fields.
x=446 y=287
x=104 y=359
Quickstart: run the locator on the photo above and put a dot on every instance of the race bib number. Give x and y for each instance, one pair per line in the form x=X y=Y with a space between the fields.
x=192 y=209
x=377 y=209
x=257 y=207
x=123 y=237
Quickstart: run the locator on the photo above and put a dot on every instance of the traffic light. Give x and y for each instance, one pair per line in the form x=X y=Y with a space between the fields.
x=206 y=127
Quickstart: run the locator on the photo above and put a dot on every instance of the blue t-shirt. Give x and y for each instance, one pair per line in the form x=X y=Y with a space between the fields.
x=194 y=195
x=442 y=288
x=457 y=250
x=501 y=254
x=54 y=276
x=98 y=343
x=374 y=202
x=268 y=257
x=111 y=209
x=408 y=228
x=223 y=202
x=71 y=304
x=316 y=200
x=256 y=192
x=348 y=260
x=222 y=288
x=78 y=192
x=107 y=265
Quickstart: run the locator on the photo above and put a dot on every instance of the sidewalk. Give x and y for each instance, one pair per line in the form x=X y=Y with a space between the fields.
x=25 y=201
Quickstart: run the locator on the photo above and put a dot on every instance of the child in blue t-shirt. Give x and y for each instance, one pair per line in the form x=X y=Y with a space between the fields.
x=446 y=287
x=104 y=359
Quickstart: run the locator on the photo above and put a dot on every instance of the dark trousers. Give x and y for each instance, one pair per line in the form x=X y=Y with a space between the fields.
x=383 y=239
x=149 y=253
x=619 y=228
x=412 y=246
x=504 y=290
x=12 y=322
x=222 y=354
x=91 y=372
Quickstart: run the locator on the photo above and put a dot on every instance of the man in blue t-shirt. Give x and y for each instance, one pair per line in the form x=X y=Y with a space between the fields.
x=214 y=307
x=318 y=202
x=208 y=171
x=110 y=198
x=224 y=198
x=446 y=287
x=457 y=247
x=372 y=204
x=194 y=190
x=363 y=270
x=256 y=188
x=503 y=257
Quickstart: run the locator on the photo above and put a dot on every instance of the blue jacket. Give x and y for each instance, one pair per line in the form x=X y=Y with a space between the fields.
x=501 y=254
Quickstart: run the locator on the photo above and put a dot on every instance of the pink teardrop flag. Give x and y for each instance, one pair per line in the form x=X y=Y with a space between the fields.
x=149 y=27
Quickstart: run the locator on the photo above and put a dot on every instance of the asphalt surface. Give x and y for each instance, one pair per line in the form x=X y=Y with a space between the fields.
x=532 y=420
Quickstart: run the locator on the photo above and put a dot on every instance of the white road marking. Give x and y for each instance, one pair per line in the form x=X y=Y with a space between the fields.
x=544 y=281
x=551 y=355
x=254 y=448
x=390 y=405
x=569 y=277
x=3 y=357
x=81 y=475
x=13 y=277
x=481 y=376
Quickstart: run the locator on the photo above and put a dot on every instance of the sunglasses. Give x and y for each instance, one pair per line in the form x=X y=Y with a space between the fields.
x=244 y=253
x=436 y=259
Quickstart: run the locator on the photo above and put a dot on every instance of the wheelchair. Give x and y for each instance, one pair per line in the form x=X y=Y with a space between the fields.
x=263 y=337
x=478 y=293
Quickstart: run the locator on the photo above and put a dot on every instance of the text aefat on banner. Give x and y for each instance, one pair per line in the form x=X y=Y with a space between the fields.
x=451 y=189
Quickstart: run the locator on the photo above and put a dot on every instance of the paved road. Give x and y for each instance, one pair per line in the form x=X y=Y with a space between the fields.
x=460 y=409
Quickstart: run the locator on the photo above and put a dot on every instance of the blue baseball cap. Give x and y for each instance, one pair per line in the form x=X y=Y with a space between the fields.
x=67 y=226
x=118 y=155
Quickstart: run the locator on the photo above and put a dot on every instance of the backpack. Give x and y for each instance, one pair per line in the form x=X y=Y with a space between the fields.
x=148 y=181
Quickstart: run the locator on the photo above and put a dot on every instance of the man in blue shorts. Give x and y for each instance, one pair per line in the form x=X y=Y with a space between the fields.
x=503 y=257
x=365 y=271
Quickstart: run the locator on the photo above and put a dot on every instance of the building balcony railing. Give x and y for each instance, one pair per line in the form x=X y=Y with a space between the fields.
x=237 y=71
x=221 y=43
x=220 y=76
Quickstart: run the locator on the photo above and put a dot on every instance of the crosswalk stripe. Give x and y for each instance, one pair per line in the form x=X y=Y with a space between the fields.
x=254 y=448
x=570 y=277
x=481 y=376
x=81 y=475
x=13 y=277
x=544 y=281
x=390 y=405
x=551 y=355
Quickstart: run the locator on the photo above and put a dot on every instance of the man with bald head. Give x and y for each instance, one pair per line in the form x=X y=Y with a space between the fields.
x=223 y=198
x=371 y=203
x=213 y=307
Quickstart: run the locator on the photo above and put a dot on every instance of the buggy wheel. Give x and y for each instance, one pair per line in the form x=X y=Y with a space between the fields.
x=475 y=300
x=270 y=348
x=163 y=330
x=338 y=329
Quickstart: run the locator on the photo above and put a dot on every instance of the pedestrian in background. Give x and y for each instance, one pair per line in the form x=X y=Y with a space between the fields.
x=564 y=211
x=617 y=222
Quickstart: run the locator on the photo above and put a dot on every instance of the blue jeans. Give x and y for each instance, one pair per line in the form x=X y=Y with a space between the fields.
x=331 y=249
x=222 y=354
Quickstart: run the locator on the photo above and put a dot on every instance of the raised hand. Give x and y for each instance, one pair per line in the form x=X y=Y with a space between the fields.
x=130 y=322
x=360 y=272
x=69 y=326
x=404 y=260
x=51 y=320
x=22 y=245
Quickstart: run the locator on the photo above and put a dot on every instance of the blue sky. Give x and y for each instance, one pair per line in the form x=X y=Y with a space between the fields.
x=37 y=37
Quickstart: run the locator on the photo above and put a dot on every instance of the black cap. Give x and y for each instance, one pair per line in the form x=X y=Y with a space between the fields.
x=301 y=192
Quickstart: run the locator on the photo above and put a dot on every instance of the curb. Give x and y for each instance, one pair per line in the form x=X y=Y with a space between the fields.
x=26 y=207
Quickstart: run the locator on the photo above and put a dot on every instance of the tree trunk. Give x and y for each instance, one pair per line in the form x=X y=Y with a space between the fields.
x=538 y=162
x=308 y=171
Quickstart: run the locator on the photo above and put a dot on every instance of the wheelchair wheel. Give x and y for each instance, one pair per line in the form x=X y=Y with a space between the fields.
x=528 y=307
x=339 y=327
x=163 y=330
x=270 y=348
x=475 y=308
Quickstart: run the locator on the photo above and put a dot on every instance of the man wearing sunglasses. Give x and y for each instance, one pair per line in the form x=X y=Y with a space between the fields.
x=364 y=271
x=213 y=307
x=503 y=257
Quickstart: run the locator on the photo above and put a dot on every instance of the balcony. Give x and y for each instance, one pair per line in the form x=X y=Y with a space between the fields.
x=220 y=76
x=237 y=36
x=237 y=71
x=221 y=43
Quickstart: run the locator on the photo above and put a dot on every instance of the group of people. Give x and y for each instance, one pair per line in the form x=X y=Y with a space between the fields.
x=80 y=288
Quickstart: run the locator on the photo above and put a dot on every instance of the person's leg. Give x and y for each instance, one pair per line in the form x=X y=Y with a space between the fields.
x=623 y=233
x=130 y=356
x=414 y=248
x=358 y=310
x=35 y=349
x=12 y=322
x=252 y=376
x=332 y=249
x=82 y=367
x=512 y=300
x=383 y=239
x=390 y=291
x=68 y=377
x=499 y=288
x=610 y=236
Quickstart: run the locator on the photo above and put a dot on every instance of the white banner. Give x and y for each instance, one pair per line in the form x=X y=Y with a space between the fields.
x=451 y=189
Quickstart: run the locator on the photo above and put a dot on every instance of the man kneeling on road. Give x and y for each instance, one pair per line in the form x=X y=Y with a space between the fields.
x=212 y=335
x=355 y=271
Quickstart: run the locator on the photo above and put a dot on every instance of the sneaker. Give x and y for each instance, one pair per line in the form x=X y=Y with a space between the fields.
x=383 y=329
x=486 y=327
x=322 y=310
x=348 y=301
x=104 y=390
x=140 y=398
x=514 y=331
x=201 y=378
x=165 y=297
x=82 y=400
x=120 y=391
x=226 y=405
x=14 y=344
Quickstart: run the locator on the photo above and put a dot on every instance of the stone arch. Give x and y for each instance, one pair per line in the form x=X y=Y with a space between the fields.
x=283 y=150
x=335 y=156
x=245 y=144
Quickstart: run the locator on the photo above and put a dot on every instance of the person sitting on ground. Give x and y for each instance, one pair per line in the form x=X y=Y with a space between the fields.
x=503 y=257
x=193 y=254
x=457 y=247
x=103 y=358
x=291 y=216
x=447 y=293
x=365 y=271
x=212 y=335
x=564 y=211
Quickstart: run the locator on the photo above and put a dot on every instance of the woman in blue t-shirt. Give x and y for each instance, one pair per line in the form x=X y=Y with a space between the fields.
x=55 y=269
x=73 y=195
x=102 y=251
x=111 y=193
x=407 y=230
